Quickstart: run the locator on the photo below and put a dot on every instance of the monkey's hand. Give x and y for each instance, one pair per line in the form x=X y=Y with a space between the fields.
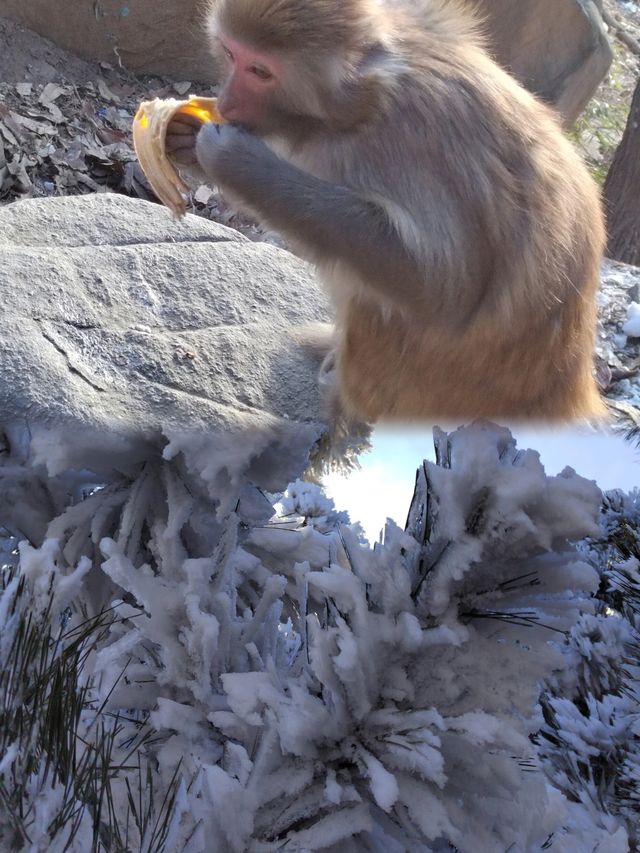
x=180 y=139
x=219 y=146
x=320 y=219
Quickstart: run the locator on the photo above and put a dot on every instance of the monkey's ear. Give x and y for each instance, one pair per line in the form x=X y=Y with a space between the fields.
x=358 y=101
x=371 y=81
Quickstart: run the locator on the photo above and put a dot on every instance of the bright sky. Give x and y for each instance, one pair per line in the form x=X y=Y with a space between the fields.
x=384 y=485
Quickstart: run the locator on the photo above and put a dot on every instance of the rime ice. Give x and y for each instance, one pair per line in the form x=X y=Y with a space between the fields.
x=303 y=691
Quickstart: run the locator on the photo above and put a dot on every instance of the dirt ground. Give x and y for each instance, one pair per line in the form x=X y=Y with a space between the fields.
x=24 y=55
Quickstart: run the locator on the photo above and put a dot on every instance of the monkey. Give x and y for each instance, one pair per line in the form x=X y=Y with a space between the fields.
x=455 y=227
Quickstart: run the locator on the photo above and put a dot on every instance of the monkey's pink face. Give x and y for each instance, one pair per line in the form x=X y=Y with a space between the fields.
x=252 y=79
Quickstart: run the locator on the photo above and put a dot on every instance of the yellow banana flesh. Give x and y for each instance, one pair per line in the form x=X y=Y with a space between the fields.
x=149 y=134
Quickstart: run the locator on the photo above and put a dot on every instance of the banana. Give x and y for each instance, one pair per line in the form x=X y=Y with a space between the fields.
x=149 y=132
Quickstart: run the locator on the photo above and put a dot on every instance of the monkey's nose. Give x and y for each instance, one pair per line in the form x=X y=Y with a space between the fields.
x=227 y=108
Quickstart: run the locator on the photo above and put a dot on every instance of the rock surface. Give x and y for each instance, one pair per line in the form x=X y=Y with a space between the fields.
x=124 y=327
x=555 y=47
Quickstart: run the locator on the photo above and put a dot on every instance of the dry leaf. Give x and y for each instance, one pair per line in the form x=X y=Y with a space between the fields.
x=6 y=133
x=42 y=128
x=106 y=93
x=56 y=113
x=5 y=116
x=50 y=92
x=46 y=150
x=203 y=194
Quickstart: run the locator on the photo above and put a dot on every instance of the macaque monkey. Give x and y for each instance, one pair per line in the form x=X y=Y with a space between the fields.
x=455 y=227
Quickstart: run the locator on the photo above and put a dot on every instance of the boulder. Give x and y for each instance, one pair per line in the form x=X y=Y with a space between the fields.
x=557 y=48
x=155 y=36
x=125 y=329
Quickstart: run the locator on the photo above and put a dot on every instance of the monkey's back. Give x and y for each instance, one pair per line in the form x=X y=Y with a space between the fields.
x=511 y=255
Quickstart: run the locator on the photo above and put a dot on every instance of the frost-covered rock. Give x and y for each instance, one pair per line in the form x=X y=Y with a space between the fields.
x=127 y=334
x=300 y=691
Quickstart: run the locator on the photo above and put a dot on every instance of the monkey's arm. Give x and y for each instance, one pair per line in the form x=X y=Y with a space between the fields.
x=328 y=221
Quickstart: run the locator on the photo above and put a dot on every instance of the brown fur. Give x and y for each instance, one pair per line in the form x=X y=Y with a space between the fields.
x=490 y=310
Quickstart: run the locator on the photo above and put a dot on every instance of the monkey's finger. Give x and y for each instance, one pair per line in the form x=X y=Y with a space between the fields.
x=185 y=122
x=179 y=129
x=179 y=141
x=184 y=157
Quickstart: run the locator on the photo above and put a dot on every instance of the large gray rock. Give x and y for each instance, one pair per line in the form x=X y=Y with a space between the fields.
x=124 y=329
x=556 y=47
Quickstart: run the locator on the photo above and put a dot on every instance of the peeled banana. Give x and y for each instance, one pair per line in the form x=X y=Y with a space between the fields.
x=149 y=133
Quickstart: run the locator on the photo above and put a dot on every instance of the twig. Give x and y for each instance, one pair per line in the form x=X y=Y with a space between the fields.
x=620 y=33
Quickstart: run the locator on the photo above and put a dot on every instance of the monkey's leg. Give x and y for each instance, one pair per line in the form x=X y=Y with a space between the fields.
x=318 y=339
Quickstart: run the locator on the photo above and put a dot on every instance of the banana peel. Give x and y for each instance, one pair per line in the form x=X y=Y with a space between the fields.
x=149 y=134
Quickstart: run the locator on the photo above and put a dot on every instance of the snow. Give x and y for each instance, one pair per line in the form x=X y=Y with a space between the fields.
x=631 y=327
x=292 y=688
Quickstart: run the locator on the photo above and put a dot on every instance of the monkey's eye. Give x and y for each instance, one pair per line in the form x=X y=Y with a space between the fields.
x=261 y=72
x=227 y=53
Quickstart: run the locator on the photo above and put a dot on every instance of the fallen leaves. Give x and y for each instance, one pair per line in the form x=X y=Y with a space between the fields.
x=72 y=137
x=65 y=138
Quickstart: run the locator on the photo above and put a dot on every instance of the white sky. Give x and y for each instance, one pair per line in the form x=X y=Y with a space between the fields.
x=384 y=485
